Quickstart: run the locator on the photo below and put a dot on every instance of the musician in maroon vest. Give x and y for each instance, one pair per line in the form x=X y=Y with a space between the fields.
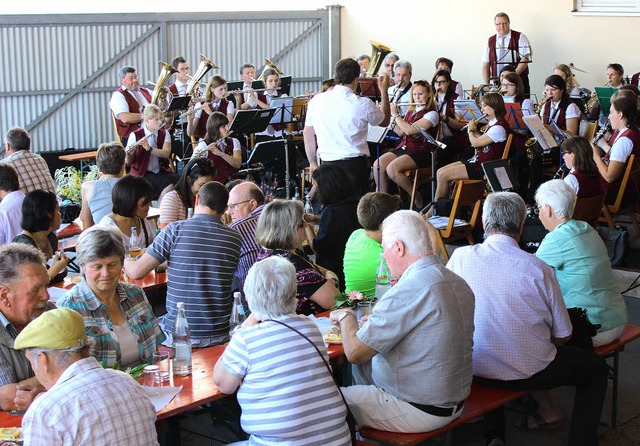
x=442 y=63
x=127 y=102
x=261 y=100
x=506 y=47
x=584 y=178
x=214 y=100
x=150 y=157
x=224 y=151
x=625 y=140
x=450 y=125
x=413 y=150
x=179 y=86
x=247 y=75
x=489 y=145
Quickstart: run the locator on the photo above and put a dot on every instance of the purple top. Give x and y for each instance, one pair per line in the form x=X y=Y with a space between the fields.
x=308 y=277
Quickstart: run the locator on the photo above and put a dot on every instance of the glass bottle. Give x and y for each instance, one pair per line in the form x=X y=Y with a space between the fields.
x=181 y=344
x=383 y=278
x=238 y=315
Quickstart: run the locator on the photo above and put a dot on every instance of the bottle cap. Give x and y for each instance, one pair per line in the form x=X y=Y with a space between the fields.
x=180 y=305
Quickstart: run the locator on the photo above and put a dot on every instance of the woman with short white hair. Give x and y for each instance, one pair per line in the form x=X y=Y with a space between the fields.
x=285 y=390
x=578 y=255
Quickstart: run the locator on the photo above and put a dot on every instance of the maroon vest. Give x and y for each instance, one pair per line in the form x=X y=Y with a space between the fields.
x=495 y=150
x=201 y=128
x=588 y=186
x=173 y=89
x=635 y=78
x=493 y=56
x=634 y=136
x=124 y=129
x=546 y=115
x=416 y=143
x=224 y=170
x=141 y=156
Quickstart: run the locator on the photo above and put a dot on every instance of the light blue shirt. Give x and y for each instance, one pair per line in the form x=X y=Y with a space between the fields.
x=583 y=269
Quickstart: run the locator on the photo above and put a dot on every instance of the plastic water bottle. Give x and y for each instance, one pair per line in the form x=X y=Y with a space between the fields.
x=238 y=315
x=308 y=208
x=383 y=278
x=181 y=344
x=134 y=245
x=189 y=213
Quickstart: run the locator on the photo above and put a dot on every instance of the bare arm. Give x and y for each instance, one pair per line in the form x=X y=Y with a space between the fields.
x=19 y=395
x=130 y=118
x=137 y=269
x=165 y=151
x=226 y=381
x=86 y=191
x=310 y=147
x=522 y=65
x=324 y=296
x=356 y=351
x=383 y=84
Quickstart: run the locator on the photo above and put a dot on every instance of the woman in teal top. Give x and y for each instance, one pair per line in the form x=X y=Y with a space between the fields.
x=362 y=252
x=580 y=259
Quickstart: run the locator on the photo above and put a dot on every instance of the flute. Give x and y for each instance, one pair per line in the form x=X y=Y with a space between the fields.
x=128 y=149
x=484 y=115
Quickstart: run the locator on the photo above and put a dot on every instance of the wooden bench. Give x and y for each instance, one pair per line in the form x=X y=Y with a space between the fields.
x=612 y=350
x=480 y=401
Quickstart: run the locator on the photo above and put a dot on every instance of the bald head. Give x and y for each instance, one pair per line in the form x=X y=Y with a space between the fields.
x=243 y=199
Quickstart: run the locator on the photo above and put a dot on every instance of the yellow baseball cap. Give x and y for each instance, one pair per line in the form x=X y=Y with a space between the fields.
x=55 y=329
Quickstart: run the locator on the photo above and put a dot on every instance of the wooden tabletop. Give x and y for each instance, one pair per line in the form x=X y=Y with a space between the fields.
x=151 y=281
x=76 y=227
x=84 y=156
x=197 y=388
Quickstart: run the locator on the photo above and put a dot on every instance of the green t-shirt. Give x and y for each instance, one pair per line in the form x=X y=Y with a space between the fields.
x=361 y=260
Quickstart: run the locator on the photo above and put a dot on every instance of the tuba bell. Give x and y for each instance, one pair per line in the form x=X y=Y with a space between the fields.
x=378 y=54
x=161 y=95
x=268 y=64
x=205 y=66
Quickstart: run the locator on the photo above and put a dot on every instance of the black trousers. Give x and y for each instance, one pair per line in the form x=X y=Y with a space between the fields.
x=358 y=169
x=572 y=366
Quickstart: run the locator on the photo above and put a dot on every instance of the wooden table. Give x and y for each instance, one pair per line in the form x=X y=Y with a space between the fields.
x=85 y=159
x=197 y=388
x=76 y=227
x=150 y=282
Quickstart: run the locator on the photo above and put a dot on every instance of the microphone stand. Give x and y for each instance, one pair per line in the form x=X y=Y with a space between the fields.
x=437 y=145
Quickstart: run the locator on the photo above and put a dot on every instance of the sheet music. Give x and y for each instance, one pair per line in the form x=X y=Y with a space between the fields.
x=376 y=134
x=468 y=108
x=503 y=178
x=540 y=132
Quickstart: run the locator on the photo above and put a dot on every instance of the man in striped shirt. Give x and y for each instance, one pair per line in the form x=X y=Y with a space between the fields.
x=202 y=255
x=246 y=202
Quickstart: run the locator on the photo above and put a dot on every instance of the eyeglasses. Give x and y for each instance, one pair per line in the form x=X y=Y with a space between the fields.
x=232 y=206
x=441 y=82
x=508 y=85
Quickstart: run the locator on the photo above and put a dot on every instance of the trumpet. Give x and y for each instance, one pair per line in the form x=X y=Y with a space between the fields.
x=130 y=148
x=484 y=115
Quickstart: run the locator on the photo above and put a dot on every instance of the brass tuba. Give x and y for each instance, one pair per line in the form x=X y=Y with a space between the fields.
x=205 y=66
x=378 y=54
x=268 y=64
x=161 y=95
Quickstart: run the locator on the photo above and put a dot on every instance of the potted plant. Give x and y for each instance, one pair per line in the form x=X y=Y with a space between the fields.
x=68 y=184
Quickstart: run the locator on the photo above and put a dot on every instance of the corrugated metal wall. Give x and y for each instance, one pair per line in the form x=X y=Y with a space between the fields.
x=63 y=69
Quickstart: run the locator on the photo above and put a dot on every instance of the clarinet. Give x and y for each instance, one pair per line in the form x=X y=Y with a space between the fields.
x=561 y=172
x=603 y=130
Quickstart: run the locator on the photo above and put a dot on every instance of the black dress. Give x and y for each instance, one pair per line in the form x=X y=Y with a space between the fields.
x=53 y=241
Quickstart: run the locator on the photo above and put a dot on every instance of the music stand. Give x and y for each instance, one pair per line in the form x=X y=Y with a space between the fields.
x=269 y=154
x=514 y=116
x=233 y=86
x=179 y=103
x=375 y=135
x=257 y=85
x=285 y=84
x=604 y=97
x=284 y=107
x=368 y=87
x=500 y=175
x=251 y=121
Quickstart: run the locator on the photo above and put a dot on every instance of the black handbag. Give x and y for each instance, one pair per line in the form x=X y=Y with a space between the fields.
x=583 y=329
x=616 y=240
x=69 y=212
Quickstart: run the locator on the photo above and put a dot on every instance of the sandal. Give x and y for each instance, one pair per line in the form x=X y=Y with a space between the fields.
x=536 y=422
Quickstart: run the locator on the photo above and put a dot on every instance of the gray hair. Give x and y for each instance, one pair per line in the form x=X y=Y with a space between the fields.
x=97 y=243
x=392 y=55
x=363 y=57
x=404 y=64
x=278 y=224
x=63 y=357
x=18 y=138
x=122 y=72
x=271 y=288
x=503 y=212
x=410 y=228
x=559 y=196
x=14 y=255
